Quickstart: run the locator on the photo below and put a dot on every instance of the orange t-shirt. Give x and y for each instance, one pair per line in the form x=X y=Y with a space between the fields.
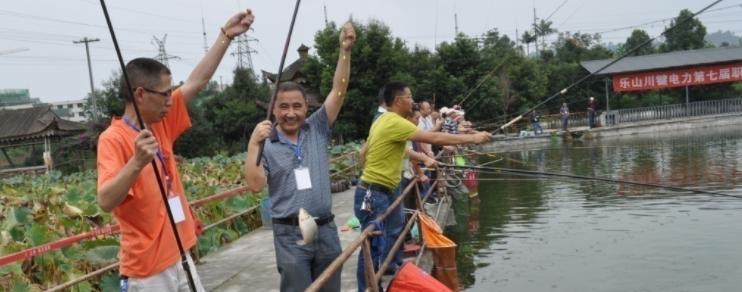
x=147 y=242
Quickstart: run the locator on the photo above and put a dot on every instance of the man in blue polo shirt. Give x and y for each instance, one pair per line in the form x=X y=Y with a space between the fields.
x=295 y=167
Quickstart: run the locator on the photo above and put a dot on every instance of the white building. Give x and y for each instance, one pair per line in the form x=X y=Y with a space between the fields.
x=72 y=110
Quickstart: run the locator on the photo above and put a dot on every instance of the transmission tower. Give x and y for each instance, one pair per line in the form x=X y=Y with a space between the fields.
x=243 y=52
x=162 y=55
x=203 y=28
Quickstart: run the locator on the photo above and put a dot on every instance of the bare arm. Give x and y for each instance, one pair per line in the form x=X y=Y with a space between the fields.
x=114 y=191
x=440 y=138
x=334 y=100
x=200 y=76
x=254 y=172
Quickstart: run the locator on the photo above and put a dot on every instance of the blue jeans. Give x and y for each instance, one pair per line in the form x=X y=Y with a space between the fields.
x=565 y=121
x=380 y=202
x=591 y=119
x=537 y=128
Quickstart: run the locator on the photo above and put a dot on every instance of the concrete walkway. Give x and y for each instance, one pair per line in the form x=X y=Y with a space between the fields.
x=249 y=263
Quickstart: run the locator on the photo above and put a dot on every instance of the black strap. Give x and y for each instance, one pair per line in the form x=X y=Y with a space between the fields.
x=376 y=187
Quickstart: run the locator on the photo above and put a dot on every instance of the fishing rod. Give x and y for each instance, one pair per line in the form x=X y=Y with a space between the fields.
x=174 y=227
x=543 y=173
x=269 y=114
x=487 y=76
x=630 y=52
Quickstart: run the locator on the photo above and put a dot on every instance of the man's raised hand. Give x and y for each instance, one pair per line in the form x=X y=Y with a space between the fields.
x=347 y=36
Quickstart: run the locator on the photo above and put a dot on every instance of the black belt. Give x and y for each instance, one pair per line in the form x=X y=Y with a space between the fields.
x=376 y=187
x=295 y=220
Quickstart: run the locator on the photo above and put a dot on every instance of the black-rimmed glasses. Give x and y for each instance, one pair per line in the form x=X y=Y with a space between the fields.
x=166 y=93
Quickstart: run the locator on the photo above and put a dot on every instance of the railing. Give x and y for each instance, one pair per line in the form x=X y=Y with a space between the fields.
x=354 y=165
x=197 y=203
x=362 y=241
x=673 y=111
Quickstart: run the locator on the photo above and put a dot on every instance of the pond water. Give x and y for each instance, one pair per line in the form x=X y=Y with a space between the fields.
x=559 y=234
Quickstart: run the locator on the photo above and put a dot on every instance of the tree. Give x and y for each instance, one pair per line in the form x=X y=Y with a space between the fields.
x=202 y=139
x=377 y=58
x=528 y=38
x=542 y=29
x=637 y=38
x=233 y=114
x=686 y=36
x=110 y=102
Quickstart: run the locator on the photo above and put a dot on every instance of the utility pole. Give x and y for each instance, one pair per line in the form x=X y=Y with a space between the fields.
x=86 y=41
x=162 y=56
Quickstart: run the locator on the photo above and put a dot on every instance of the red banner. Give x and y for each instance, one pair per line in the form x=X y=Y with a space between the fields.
x=677 y=78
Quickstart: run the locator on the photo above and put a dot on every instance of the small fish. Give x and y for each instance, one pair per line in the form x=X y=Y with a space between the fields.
x=308 y=227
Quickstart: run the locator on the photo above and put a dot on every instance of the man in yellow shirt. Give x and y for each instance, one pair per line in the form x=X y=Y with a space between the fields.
x=383 y=165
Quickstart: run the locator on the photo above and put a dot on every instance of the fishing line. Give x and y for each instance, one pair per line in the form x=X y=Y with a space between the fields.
x=269 y=114
x=630 y=52
x=174 y=227
x=543 y=173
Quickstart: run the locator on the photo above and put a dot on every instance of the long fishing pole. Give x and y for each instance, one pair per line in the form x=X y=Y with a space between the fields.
x=543 y=173
x=269 y=114
x=487 y=76
x=630 y=52
x=183 y=258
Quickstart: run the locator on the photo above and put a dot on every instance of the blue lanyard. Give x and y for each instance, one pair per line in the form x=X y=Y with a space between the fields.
x=296 y=148
x=160 y=156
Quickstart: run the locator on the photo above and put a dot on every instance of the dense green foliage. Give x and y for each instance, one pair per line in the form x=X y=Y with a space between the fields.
x=493 y=76
x=36 y=210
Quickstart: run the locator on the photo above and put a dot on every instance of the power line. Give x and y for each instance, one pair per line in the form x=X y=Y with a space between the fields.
x=555 y=10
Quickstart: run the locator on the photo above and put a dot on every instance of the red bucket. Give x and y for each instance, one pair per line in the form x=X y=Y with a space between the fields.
x=413 y=279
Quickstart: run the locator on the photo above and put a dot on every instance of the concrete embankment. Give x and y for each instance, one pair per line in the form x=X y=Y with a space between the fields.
x=249 y=263
x=654 y=127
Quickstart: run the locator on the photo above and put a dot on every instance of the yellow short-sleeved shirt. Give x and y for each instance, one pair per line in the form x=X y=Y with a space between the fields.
x=386 y=144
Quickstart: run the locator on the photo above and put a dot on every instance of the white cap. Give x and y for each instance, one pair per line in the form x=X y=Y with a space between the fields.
x=444 y=110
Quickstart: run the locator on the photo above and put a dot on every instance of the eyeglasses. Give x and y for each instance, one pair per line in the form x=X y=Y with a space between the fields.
x=166 y=93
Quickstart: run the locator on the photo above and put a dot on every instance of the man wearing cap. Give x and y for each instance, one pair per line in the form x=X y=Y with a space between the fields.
x=450 y=125
x=294 y=166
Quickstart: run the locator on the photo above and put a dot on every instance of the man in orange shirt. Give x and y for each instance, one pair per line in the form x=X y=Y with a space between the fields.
x=150 y=259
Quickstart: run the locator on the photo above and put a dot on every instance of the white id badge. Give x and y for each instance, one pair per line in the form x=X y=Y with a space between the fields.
x=303 y=180
x=177 y=208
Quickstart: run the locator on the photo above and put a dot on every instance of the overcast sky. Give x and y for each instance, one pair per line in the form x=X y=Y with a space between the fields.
x=55 y=69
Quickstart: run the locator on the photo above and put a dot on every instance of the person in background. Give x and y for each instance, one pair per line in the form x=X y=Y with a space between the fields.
x=591 y=112
x=564 y=112
x=535 y=122
x=382 y=169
